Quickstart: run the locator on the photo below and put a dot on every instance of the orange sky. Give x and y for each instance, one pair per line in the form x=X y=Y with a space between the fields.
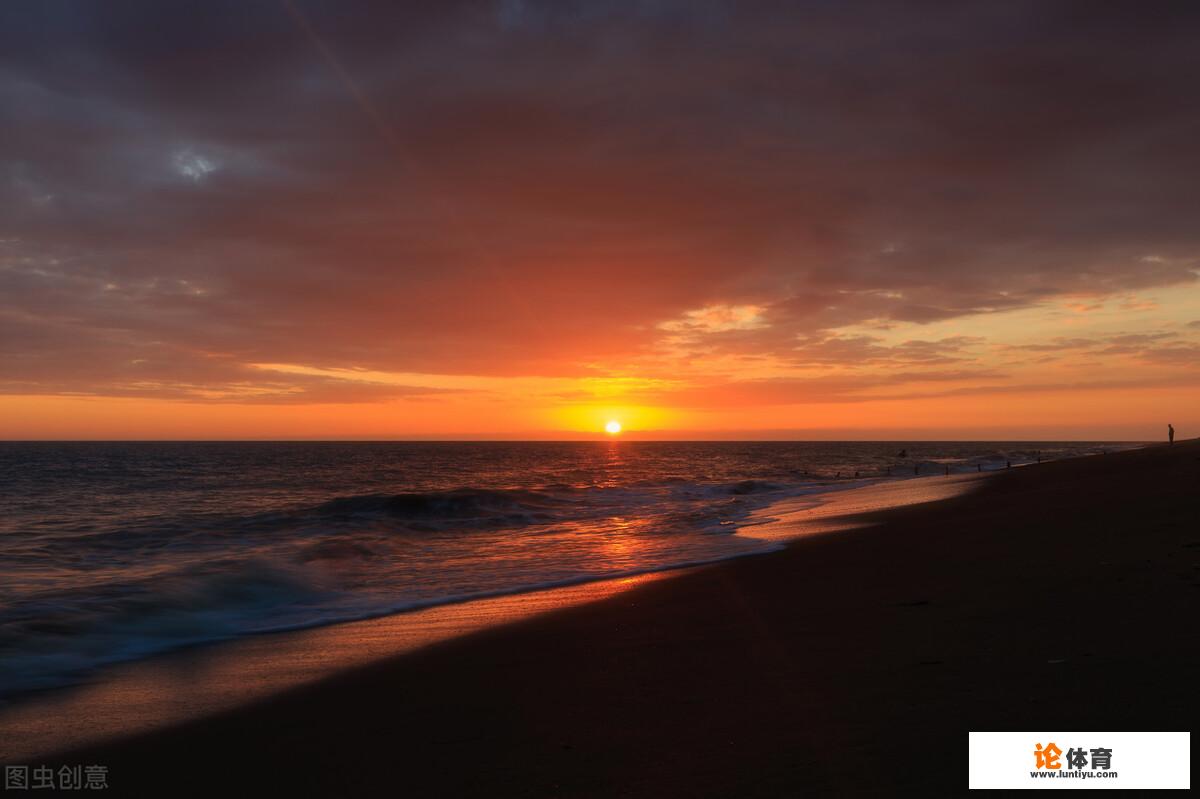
x=1060 y=370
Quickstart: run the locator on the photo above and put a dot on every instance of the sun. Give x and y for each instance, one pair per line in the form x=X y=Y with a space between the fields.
x=613 y=427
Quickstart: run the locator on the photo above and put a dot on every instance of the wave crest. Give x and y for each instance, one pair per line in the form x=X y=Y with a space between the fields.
x=457 y=504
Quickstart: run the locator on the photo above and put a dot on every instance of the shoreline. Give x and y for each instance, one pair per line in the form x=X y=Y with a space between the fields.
x=1049 y=598
x=140 y=695
x=297 y=585
x=322 y=577
x=194 y=682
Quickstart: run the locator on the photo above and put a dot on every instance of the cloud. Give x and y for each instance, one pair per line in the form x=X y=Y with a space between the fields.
x=1181 y=354
x=840 y=388
x=717 y=319
x=1158 y=347
x=193 y=165
x=535 y=188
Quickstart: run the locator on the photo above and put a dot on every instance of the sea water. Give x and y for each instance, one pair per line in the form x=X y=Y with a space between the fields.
x=116 y=551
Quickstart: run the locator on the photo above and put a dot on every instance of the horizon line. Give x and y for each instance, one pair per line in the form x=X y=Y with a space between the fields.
x=596 y=439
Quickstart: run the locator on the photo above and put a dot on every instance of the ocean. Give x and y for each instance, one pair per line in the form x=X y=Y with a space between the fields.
x=117 y=551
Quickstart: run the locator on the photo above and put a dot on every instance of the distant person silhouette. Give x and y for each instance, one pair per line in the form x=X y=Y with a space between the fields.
x=1170 y=434
x=902 y=454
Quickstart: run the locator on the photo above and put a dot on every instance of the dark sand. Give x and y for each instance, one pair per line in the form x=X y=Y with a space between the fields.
x=1058 y=596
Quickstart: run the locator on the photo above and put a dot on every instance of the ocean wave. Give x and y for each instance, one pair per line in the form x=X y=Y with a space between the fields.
x=59 y=639
x=457 y=504
x=50 y=638
x=743 y=487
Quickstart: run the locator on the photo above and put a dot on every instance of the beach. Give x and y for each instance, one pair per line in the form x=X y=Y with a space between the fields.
x=1053 y=596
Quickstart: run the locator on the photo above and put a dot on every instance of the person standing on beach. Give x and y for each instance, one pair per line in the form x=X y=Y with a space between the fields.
x=1170 y=433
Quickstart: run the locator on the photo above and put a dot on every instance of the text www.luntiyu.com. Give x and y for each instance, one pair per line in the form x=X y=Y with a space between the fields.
x=1080 y=774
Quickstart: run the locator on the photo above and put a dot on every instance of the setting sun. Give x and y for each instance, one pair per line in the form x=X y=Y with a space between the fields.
x=613 y=427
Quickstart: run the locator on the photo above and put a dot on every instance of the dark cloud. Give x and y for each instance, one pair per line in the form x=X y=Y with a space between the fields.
x=533 y=188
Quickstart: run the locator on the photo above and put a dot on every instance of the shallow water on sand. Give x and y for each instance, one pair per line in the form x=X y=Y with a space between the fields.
x=179 y=686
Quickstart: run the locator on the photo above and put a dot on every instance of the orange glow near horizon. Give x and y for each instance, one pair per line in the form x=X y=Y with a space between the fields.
x=1038 y=373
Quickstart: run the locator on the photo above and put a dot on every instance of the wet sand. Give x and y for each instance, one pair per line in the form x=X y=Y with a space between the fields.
x=1060 y=595
x=200 y=681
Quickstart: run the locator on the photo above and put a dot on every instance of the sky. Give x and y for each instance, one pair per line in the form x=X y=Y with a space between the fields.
x=521 y=219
